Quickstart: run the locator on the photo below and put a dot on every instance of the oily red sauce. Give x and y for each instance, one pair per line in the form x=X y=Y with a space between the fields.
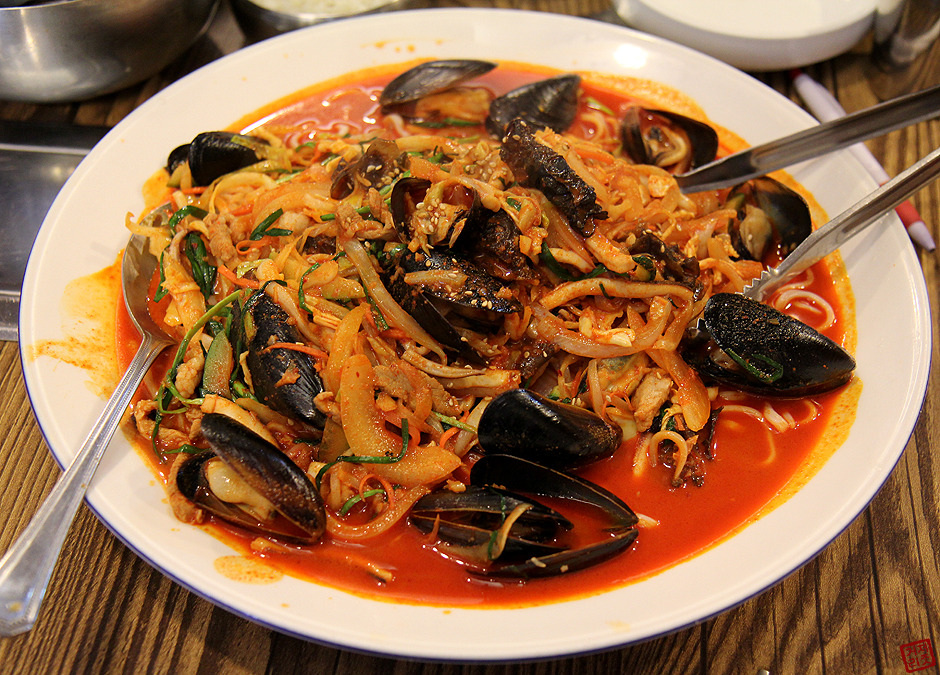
x=751 y=466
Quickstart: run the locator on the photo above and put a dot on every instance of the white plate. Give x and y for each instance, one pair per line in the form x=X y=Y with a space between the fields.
x=756 y=34
x=84 y=231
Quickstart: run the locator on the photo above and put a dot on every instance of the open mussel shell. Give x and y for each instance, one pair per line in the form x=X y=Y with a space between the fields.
x=476 y=301
x=524 y=424
x=266 y=470
x=490 y=240
x=666 y=139
x=284 y=379
x=378 y=167
x=530 y=478
x=755 y=348
x=212 y=154
x=430 y=78
x=535 y=165
x=771 y=217
x=551 y=103
x=470 y=518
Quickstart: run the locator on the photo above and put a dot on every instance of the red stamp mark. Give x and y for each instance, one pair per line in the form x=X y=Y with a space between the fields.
x=918 y=656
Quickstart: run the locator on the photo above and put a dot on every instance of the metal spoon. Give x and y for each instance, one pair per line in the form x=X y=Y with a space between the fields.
x=26 y=567
x=813 y=142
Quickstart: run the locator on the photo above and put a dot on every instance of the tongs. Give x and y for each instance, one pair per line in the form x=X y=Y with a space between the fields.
x=813 y=142
x=846 y=225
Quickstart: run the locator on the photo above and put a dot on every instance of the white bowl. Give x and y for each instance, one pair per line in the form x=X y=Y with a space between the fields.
x=756 y=35
x=891 y=300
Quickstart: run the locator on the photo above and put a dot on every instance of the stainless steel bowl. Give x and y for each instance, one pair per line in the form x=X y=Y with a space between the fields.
x=69 y=50
x=259 y=23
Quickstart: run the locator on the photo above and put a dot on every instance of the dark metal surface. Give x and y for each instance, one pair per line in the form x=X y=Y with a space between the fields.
x=35 y=161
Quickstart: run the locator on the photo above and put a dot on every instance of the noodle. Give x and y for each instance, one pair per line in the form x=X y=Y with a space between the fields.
x=335 y=235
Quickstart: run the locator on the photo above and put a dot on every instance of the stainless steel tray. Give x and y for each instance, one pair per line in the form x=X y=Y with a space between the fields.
x=35 y=161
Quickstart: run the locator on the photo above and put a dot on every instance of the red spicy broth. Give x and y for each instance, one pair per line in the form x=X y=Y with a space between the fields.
x=753 y=468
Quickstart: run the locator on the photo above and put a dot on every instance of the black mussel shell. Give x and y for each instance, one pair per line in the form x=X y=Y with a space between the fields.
x=490 y=240
x=215 y=153
x=537 y=166
x=670 y=261
x=755 y=348
x=381 y=163
x=561 y=436
x=476 y=302
x=471 y=517
x=666 y=139
x=265 y=469
x=782 y=222
x=522 y=476
x=178 y=156
x=551 y=103
x=480 y=292
x=293 y=396
x=430 y=78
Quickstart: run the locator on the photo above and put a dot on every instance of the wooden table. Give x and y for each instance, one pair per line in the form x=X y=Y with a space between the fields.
x=849 y=610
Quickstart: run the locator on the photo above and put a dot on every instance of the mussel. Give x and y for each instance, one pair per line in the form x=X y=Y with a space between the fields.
x=215 y=153
x=522 y=423
x=448 y=288
x=428 y=94
x=490 y=240
x=535 y=165
x=496 y=532
x=755 y=348
x=770 y=218
x=666 y=139
x=378 y=167
x=471 y=517
x=431 y=77
x=284 y=379
x=551 y=103
x=247 y=481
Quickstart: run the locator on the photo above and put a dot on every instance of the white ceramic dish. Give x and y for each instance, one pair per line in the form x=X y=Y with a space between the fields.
x=763 y=35
x=84 y=231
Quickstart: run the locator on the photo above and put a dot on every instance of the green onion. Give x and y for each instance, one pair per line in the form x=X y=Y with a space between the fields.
x=162 y=290
x=514 y=203
x=203 y=273
x=362 y=211
x=301 y=299
x=594 y=104
x=368 y=459
x=453 y=422
x=184 y=448
x=188 y=210
x=213 y=311
x=445 y=122
x=355 y=499
x=646 y=262
x=376 y=312
x=264 y=227
x=774 y=373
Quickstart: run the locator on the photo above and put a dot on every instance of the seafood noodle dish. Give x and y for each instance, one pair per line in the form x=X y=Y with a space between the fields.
x=450 y=333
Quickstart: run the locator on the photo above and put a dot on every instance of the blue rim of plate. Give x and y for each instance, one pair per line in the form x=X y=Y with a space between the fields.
x=538 y=38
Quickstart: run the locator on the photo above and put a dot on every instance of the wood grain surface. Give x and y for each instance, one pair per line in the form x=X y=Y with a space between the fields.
x=850 y=610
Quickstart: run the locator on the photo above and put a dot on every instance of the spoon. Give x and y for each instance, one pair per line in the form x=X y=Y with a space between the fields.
x=27 y=566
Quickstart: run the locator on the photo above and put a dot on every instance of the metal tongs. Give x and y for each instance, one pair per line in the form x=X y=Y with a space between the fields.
x=846 y=225
x=813 y=142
